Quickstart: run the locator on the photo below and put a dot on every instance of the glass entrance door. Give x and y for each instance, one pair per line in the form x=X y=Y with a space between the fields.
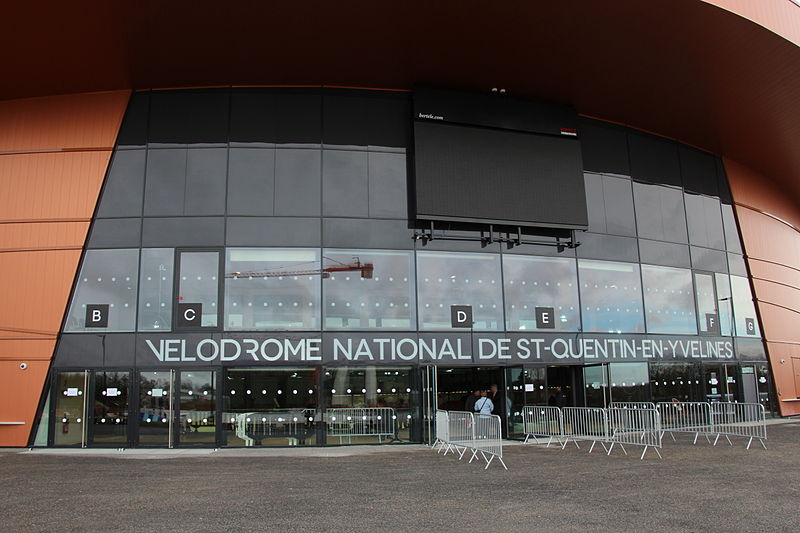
x=70 y=409
x=110 y=410
x=595 y=382
x=156 y=408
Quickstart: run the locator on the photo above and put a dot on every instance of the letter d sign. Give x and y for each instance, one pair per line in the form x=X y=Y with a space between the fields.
x=461 y=316
x=96 y=315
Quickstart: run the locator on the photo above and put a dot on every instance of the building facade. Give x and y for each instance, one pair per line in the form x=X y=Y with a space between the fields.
x=240 y=266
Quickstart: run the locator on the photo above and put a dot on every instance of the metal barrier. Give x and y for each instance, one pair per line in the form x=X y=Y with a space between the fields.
x=739 y=420
x=585 y=423
x=253 y=427
x=631 y=405
x=442 y=427
x=636 y=427
x=460 y=432
x=349 y=422
x=685 y=417
x=488 y=439
x=542 y=421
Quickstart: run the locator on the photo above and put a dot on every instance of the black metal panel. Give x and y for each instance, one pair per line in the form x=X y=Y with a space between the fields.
x=362 y=233
x=604 y=147
x=122 y=192
x=609 y=247
x=699 y=171
x=654 y=159
x=251 y=181
x=133 y=131
x=273 y=231
x=87 y=350
x=275 y=116
x=664 y=253
x=188 y=117
x=185 y=231
x=116 y=233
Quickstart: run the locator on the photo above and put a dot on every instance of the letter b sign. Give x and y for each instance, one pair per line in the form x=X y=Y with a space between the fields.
x=96 y=315
x=461 y=316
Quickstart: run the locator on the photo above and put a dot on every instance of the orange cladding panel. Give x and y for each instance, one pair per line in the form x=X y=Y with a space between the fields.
x=54 y=153
x=19 y=397
x=770 y=227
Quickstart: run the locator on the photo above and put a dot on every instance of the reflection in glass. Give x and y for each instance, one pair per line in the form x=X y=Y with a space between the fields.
x=107 y=277
x=198 y=283
x=269 y=289
x=668 y=300
x=676 y=382
x=720 y=383
x=595 y=381
x=744 y=310
x=611 y=297
x=110 y=416
x=275 y=407
x=706 y=297
x=155 y=408
x=155 y=289
x=369 y=290
x=69 y=420
x=764 y=387
x=725 y=303
x=530 y=282
x=197 y=408
x=368 y=405
x=705 y=221
x=629 y=382
x=659 y=212
x=446 y=278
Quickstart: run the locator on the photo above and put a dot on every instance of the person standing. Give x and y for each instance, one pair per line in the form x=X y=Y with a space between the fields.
x=484 y=405
x=469 y=405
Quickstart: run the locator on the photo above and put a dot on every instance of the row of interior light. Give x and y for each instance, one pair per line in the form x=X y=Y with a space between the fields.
x=311 y=419
x=311 y=391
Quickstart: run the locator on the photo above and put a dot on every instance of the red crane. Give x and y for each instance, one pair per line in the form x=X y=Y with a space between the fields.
x=366 y=270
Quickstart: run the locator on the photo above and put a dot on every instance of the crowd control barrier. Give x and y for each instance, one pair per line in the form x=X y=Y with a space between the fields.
x=632 y=405
x=746 y=420
x=349 y=422
x=460 y=431
x=685 y=417
x=253 y=427
x=636 y=426
x=585 y=423
x=542 y=421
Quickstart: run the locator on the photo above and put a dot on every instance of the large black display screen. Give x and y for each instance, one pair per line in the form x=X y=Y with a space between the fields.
x=527 y=171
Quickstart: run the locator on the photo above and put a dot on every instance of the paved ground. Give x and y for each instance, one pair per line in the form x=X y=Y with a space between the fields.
x=694 y=488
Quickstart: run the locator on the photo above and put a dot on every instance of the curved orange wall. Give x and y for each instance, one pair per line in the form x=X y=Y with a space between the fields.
x=770 y=226
x=54 y=152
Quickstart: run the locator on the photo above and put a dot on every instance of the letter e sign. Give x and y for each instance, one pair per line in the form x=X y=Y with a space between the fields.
x=96 y=315
x=545 y=318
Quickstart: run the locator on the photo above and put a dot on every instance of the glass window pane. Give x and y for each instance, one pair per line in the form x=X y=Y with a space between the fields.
x=154 y=408
x=706 y=298
x=675 y=381
x=369 y=290
x=744 y=309
x=704 y=219
x=725 y=308
x=272 y=288
x=110 y=418
x=611 y=297
x=69 y=396
x=541 y=282
x=720 y=383
x=108 y=277
x=198 y=283
x=732 y=242
x=275 y=407
x=197 y=408
x=659 y=212
x=446 y=279
x=369 y=405
x=155 y=289
x=668 y=300
x=629 y=382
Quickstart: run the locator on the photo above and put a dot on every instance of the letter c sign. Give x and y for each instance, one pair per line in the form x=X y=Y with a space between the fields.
x=190 y=315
